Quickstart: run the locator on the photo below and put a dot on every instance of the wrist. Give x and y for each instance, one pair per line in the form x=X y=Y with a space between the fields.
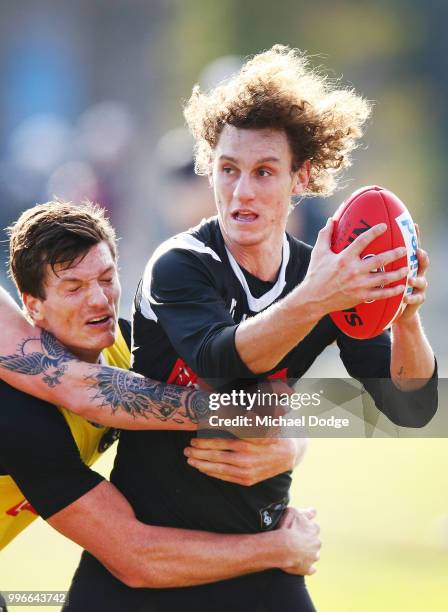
x=197 y=406
x=311 y=304
x=276 y=546
x=405 y=324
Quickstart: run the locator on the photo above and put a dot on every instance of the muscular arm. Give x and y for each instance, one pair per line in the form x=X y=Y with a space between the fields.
x=412 y=359
x=39 y=453
x=34 y=362
x=146 y=556
x=335 y=282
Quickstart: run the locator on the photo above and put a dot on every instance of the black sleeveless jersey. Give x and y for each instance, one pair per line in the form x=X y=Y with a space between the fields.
x=188 y=305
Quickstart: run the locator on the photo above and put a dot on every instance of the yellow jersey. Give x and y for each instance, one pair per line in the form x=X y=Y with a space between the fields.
x=16 y=512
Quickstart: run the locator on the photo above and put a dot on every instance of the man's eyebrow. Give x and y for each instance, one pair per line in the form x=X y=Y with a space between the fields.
x=76 y=279
x=262 y=160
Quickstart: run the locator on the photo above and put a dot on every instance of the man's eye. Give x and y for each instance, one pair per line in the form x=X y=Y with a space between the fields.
x=227 y=169
x=107 y=280
x=73 y=289
x=264 y=172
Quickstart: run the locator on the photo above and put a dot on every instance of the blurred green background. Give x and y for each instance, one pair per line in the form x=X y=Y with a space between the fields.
x=91 y=107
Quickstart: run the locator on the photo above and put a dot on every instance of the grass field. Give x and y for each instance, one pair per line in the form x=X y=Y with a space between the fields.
x=383 y=509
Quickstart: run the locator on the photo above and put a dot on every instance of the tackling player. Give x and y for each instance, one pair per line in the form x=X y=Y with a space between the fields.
x=63 y=259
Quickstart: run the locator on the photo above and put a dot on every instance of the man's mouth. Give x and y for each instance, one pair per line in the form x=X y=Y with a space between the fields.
x=244 y=216
x=99 y=321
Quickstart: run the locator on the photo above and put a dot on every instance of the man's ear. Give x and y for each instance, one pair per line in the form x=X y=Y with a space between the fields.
x=34 y=307
x=301 y=178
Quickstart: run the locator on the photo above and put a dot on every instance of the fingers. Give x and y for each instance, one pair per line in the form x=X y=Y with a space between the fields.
x=288 y=518
x=215 y=456
x=310 y=513
x=363 y=240
x=415 y=299
x=419 y=283
x=324 y=235
x=423 y=261
x=383 y=294
x=292 y=514
x=228 y=444
x=223 y=471
x=382 y=279
x=381 y=260
x=260 y=441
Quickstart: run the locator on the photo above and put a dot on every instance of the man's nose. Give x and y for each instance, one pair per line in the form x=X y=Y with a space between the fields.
x=244 y=191
x=97 y=295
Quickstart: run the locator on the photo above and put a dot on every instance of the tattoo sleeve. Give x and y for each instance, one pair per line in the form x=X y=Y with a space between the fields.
x=42 y=366
x=49 y=358
x=136 y=395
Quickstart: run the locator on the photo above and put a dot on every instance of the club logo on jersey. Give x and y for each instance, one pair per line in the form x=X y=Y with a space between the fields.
x=22 y=506
x=270 y=515
x=182 y=375
x=267 y=519
x=279 y=375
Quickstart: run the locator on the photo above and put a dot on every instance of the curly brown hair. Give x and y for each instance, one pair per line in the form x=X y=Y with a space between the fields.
x=54 y=233
x=277 y=89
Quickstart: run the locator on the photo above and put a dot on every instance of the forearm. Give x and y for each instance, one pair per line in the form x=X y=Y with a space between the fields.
x=33 y=361
x=263 y=340
x=145 y=556
x=412 y=359
x=110 y=396
x=126 y=400
x=206 y=557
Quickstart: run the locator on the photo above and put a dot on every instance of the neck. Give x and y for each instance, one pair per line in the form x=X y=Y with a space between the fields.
x=262 y=260
x=88 y=355
x=85 y=355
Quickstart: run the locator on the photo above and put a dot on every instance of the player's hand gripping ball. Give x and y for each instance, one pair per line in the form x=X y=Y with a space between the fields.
x=361 y=211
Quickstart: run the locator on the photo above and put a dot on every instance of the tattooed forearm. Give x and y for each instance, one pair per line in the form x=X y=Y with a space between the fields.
x=198 y=406
x=39 y=355
x=139 y=396
x=88 y=389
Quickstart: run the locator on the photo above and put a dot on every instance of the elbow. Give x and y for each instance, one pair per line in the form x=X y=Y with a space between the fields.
x=421 y=420
x=130 y=580
x=149 y=580
x=136 y=581
x=260 y=366
x=413 y=420
x=137 y=577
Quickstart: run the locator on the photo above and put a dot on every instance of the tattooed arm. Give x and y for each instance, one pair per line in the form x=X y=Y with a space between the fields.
x=33 y=361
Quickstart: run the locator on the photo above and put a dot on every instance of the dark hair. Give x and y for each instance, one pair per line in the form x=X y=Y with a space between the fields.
x=57 y=232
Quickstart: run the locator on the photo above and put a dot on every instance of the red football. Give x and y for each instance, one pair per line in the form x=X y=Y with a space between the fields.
x=361 y=211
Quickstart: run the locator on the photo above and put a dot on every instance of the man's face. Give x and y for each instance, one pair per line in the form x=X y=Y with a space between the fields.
x=253 y=184
x=81 y=303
